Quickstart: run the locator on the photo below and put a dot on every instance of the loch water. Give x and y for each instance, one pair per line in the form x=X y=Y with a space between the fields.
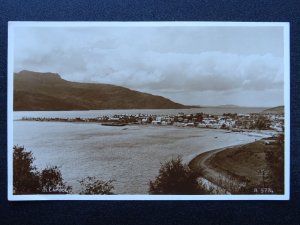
x=130 y=155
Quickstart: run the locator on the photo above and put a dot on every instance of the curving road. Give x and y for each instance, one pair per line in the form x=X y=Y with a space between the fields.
x=214 y=176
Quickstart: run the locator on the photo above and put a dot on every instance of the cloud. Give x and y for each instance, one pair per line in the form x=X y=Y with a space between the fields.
x=215 y=71
x=170 y=71
x=174 y=61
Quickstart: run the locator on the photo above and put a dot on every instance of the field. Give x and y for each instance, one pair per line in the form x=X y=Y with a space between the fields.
x=255 y=168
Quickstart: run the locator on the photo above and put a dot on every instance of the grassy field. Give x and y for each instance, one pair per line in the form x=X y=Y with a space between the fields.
x=255 y=168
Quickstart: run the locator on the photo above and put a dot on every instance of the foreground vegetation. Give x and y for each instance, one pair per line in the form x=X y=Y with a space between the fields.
x=260 y=170
x=176 y=178
x=27 y=179
x=255 y=168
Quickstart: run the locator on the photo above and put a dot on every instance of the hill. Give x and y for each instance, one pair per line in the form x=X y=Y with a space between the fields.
x=228 y=106
x=35 y=91
x=275 y=110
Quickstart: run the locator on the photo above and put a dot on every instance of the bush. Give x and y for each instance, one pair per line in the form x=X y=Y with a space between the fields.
x=176 y=178
x=92 y=186
x=25 y=175
x=51 y=181
x=28 y=180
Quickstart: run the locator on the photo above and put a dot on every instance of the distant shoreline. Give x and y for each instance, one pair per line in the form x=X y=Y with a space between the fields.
x=264 y=108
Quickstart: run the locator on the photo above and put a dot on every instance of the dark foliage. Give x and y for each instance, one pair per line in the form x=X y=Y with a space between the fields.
x=25 y=175
x=262 y=123
x=176 y=178
x=51 y=181
x=28 y=180
x=93 y=186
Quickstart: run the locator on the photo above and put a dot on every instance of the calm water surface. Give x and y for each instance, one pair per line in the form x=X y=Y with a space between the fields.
x=130 y=155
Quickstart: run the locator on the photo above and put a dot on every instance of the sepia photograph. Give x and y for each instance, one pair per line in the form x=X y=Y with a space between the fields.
x=148 y=111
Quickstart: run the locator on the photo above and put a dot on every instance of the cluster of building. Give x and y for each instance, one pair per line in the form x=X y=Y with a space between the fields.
x=230 y=121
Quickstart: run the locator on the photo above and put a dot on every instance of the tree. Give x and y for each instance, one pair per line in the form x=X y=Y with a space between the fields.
x=28 y=180
x=176 y=178
x=51 y=181
x=93 y=186
x=262 y=123
x=223 y=126
x=25 y=175
x=199 y=117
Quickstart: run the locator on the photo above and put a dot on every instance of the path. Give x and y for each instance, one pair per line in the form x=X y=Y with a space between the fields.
x=215 y=177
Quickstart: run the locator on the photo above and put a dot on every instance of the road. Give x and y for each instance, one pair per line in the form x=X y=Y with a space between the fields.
x=216 y=178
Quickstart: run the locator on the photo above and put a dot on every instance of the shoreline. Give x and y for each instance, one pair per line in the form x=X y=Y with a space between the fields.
x=200 y=163
x=237 y=168
x=257 y=134
x=263 y=133
x=233 y=139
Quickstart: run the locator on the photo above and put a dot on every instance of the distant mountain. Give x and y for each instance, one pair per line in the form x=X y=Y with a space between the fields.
x=228 y=106
x=35 y=91
x=277 y=110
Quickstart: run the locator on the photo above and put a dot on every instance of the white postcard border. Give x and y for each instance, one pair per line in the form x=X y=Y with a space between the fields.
x=14 y=24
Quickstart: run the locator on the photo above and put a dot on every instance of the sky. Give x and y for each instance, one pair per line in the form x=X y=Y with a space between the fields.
x=192 y=65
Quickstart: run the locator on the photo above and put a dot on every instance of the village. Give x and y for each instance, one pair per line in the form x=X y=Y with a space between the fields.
x=230 y=121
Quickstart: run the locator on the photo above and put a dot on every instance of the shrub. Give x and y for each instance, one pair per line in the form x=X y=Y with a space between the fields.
x=28 y=180
x=25 y=175
x=176 y=178
x=51 y=181
x=93 y=186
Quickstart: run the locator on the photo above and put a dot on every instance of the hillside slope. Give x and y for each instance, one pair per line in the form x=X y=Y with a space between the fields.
x=275 y=110
x=48 y=91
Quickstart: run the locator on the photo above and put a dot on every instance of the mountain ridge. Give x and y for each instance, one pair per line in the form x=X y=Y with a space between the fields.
x=35 y=91
x=277 y=109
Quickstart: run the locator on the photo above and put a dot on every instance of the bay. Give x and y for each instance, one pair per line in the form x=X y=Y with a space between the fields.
x=130 y=155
